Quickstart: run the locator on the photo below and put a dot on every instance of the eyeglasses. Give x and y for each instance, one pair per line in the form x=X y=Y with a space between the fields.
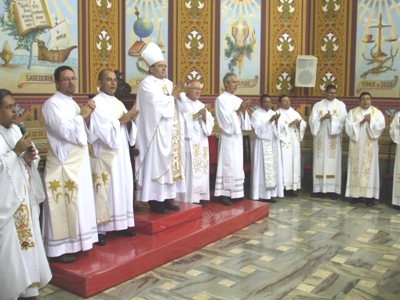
x=10 y=107
x=196 y=89
x=69 y=79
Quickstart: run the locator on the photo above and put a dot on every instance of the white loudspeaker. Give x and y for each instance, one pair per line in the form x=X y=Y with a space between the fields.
x=306 y=71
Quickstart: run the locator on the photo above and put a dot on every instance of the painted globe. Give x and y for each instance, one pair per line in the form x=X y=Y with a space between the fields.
x=143 y=27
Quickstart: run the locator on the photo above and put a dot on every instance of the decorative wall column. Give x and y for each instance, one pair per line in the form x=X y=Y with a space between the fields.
x=193 y=36
x=332 y=44
x=104 y=36
x=287 y=36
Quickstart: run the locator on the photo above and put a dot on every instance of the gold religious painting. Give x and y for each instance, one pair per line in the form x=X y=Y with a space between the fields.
x=377 y=52
x=240 y=27
x=36 y=37
x=146 y=21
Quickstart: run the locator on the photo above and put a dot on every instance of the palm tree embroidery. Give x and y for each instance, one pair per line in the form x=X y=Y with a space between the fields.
x=54 y=186
x=70 y=186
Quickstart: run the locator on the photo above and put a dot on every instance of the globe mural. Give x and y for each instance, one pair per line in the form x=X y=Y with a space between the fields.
x=142 y=27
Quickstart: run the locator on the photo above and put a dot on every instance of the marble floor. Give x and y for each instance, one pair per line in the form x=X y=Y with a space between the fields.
x=309 y=248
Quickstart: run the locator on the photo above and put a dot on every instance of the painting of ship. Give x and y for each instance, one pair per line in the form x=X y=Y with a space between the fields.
x=59 y=47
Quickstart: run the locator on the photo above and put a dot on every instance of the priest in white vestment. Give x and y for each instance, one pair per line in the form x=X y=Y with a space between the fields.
x=24 y=266
x=395 y=135
x=326 y=123
x=112 y=131
x=291 y=135
x=266 y=160
x=69 y=222
x=160 y=141
x=364 y=126
x=232 y=117
x=199 y=124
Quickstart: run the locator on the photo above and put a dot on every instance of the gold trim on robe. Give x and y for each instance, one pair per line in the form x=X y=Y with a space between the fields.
x=101 y=175
x=62 y=191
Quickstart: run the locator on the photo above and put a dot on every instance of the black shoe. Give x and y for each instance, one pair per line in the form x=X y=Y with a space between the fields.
x=64 y=259
x=333 y=196
x=355 y=200
x=369 y=202
x=102 y=239
x=225 y=200
x=157 y=207
x=203 y=203
x=272 y=200
x=316 y=195
x=291 y=193
x=168 y=205
x=127 y=232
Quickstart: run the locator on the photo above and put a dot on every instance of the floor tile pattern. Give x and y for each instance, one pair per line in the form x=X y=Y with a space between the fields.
x=308 y=248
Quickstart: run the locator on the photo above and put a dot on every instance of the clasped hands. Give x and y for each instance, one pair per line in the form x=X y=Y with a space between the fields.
x=88 y=108
x=275 y=118
x=367 y=118
x=178 y=88
x=129 y=116
x=243 y=106
x=327 y=116
x=200 y=114
x=295 y=122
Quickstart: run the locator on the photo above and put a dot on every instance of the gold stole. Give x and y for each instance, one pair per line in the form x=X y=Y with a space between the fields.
x=176 y=155
x=269 y=168
x=62 y=191
x=102 y=169
x=101 y=175
x=359 y=178
x=329 y=163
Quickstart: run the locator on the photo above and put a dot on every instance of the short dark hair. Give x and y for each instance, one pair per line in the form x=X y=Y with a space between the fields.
x=103 y=72
x=281 y=97
x=58 y=71
x=3 y=93
x=330 y=86
x=363 y=94
x=264 y=96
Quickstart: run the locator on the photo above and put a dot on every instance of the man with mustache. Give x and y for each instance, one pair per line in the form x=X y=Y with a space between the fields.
x=112 y=131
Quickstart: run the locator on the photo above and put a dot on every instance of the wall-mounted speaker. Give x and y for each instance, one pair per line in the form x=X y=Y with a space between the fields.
x=306 y=71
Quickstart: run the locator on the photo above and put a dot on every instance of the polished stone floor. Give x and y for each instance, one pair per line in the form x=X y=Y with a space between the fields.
x=309 y=248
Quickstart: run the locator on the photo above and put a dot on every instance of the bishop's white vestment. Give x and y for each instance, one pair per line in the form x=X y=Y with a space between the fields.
x=111 y=164
x=327 y=146
x=24 y=266
x=230 y=175
x=266 y=160
x=395 y=135
x=196 y=150
x=159 y=166
x=290 y=137
x=69 y=223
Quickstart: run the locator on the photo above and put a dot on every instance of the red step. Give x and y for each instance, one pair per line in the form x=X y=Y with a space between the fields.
x=150 y=223
x=123 y=258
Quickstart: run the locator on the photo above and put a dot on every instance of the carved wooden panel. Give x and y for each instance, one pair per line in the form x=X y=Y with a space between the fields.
x=193 y=54
x=104 y=39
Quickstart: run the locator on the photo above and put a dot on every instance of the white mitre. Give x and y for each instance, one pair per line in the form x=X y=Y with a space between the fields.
x=152 y=54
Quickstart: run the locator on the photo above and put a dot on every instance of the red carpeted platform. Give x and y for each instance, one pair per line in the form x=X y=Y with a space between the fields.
x=150 y=223
x=123 y=258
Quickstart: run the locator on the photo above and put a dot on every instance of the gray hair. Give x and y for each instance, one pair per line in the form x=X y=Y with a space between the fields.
x=228 y=76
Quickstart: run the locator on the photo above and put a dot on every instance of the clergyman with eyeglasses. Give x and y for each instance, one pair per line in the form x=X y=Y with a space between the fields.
x=199 y=124
x=69 y=211
x=22 y=257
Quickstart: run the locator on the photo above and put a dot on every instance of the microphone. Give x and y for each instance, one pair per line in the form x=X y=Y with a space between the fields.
x=21 y=126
